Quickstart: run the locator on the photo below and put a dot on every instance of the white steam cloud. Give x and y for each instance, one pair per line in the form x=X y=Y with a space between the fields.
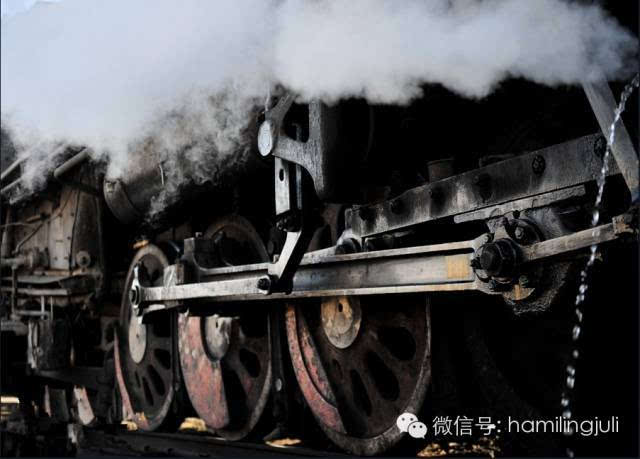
x=110 y=74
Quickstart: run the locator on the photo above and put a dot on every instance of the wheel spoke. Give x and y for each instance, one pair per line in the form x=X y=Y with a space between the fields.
x=397 y=366
x=375 y=358
x=145 y=382
x=233 y=362
x=232 y=352
x=161 y=342
x=255 y=345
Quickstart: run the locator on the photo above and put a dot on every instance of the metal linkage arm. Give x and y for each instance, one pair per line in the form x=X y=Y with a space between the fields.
x=293 y=219
x=603 y=104
x=439 y=267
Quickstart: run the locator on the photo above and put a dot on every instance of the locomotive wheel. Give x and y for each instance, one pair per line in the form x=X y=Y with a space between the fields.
x=226 y=361
x=360 y=364
x=144 y=353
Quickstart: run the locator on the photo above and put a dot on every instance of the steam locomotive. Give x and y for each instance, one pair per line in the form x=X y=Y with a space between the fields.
x=349 y=263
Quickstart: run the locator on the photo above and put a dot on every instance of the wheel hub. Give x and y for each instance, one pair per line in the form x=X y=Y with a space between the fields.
x=341 y=318
x=143 y=353
x=217 y=335
x=137 y=339
x=360 y=364
x=226 y=360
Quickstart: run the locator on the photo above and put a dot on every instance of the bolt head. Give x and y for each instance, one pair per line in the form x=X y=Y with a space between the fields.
x=600 y=147
x=264 y=283
x=519 y=232
x=538 y=164
x=525 y=281
x=266 y=138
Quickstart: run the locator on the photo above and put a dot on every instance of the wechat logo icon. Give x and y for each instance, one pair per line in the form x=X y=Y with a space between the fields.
x=408 y=422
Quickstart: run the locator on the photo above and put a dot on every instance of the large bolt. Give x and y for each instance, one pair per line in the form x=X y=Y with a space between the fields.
x=525 y=281
x=498 y=258
x=490 y=258
x=600 y=147
x=538 y=164
x=519 y=233
x=264 y=284
x=267 y=137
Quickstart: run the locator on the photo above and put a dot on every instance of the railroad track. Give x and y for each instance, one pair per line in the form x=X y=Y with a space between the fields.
x=99 y=442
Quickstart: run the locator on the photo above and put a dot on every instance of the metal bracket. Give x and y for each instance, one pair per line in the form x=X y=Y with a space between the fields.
x=314 y=155
x=291 y=218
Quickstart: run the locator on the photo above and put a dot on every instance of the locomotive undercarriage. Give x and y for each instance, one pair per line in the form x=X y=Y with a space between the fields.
x=336 y=306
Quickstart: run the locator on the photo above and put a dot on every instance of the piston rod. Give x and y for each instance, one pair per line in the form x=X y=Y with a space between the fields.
x=430 y=268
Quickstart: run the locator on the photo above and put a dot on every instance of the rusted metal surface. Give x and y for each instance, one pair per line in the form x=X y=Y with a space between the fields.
x=202 y=377
x=226 y=361
x=533 y=202
x=146 y=386
x=568 y=164
x=438 y=267
x=356 y=393
x=313 y=381
x=425 y=268
x=570 y=243
x=341 y=319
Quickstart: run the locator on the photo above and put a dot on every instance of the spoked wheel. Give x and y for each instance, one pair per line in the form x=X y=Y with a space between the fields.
x=144 y=352
x=360 y=363
x=226 y=360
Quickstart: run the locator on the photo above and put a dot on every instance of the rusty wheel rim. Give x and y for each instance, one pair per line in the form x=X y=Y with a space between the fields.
x=357 y=392
x=144 y=359
x=226 y=361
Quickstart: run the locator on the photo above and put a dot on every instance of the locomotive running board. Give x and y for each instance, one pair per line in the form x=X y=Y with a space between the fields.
x=431 y=268
x=527 y=179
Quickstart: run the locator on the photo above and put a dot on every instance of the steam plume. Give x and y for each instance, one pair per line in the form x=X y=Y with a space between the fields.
x=109 y=74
